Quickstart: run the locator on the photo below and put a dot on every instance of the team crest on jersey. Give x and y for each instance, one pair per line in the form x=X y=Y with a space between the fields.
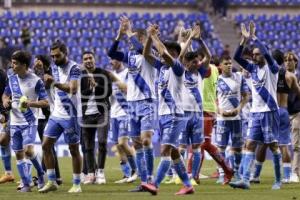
x=132 y=61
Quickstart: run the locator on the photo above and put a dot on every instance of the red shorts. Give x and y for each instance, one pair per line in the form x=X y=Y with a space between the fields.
x=209 y=119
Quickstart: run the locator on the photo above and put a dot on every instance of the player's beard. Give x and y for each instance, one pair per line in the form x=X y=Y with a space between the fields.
x=61 y=62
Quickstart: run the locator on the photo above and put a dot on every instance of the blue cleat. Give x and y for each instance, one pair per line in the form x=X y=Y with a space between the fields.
x=240 y=184
x=276 y=186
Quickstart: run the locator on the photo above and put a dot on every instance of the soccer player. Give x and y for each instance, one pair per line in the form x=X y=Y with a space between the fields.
x=140 y=97
x=291 y=63
x=287 y=82
x=24 y=93
x=232 y=96
x=264 y=119
x=195 y=72
x=119 y=124
x=170 y=109
x=4 y=135
x=41 y=67
x=63 y=119
x=96 y=88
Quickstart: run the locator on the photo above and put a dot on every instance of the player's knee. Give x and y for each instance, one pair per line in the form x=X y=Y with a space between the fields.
x=74 y=150
x=46 y=147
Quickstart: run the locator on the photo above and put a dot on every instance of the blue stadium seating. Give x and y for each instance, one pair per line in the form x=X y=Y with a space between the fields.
x=277 y=31
x=265 y=2
x=82 y=31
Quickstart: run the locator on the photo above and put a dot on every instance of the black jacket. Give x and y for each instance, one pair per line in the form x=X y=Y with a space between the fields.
x=103 y=89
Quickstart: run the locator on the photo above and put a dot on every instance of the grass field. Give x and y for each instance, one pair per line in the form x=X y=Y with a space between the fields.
x=207 y=190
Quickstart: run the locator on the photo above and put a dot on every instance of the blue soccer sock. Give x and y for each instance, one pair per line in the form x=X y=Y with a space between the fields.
x=76 y=179
x=162 y=169
x=257 y=169
x=248 y=160
x=196 y=163
x=37 y=164
x=131 y=161
x=6 y=158
x=51 y=175
x=237 y=161
x=230 y=159
x=149 y=158
x=29 y=168
x=181 y=172
x=22 y=167
x=241 y=169
x=287 y=169
x=125 y=168
x=141 y=165
x=277 y=166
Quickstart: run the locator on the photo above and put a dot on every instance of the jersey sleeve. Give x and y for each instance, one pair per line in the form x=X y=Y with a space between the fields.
x=178 y=68
x=75 y=73
x=40 y=90
x=244 y=86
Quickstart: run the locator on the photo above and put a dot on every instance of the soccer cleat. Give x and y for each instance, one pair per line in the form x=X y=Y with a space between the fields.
x=132 y=178
x=7 y=178
x=40 y=182
x=75 y=189
x=19 y=187
x=50 y=186
x=194 y=182
x=100 y=178
x=178 y=180
x=59 y=181
x=149 y=188
x=25 y=189
x=123 y=180
x=89 y=179
x=166 y=179
x=185 y=190
x=220 y=179
x=294 y=178
x=286 y=181
x=276 y=186
x=202 y=176
x=82 y=177
x=240 y=184
x=215 y=175
x=255 y=180
x=171 y=181
x=139 y=188
x=228 y=177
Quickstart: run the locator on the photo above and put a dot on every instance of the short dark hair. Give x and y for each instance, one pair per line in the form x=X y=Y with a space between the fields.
x=23 y=57
x=45 y=60
x=140 y=32
x=278 y=56
x=215 y=60
x=190 y=55
x=225 y=57
x=173 y=45
x=59 y=45
x=88 y=52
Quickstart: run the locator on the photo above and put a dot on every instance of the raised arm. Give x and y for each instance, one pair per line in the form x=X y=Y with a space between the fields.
x=238 y=53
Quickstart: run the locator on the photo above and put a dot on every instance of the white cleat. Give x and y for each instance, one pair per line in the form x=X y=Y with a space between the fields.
x=132 y=178
x=89 y=179
x=286 y=181
x=75 y=189
x=294 y=178
x=100 y=178
x=123 y=180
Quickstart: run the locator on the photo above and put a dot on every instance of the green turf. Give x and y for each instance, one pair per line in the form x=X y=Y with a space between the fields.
x=207 y=190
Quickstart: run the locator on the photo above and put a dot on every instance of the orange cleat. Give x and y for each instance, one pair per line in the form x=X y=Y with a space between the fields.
x=149 y=188
x=7 y=178
x=185 y=190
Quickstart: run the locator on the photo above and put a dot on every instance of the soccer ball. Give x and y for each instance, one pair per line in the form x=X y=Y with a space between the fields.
x=22 y=100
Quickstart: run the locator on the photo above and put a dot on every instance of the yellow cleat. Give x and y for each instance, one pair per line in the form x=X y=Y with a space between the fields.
x=171 y=181
x=7 y=178
x=50 y=186
x=178 y=180
x=75 y=189
x=193 y=182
